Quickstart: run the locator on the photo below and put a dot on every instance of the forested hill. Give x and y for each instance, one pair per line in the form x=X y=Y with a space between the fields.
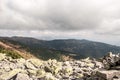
x=77 y=48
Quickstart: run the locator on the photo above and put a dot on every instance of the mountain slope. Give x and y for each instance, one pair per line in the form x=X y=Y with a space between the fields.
x=88 y=48
x=14 y=51
x=30 y=48
x=77 y=48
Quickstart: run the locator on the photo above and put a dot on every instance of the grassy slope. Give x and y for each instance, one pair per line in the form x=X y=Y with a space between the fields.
x=25 y=51
x=13 y=51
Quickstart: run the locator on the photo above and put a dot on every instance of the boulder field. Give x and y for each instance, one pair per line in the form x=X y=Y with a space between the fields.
x=106 y=68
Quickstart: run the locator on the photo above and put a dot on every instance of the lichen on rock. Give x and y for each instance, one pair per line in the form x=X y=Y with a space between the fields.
x=84 y=69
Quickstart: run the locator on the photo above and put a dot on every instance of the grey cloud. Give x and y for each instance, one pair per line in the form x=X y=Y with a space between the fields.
x=53 y=15
x=91 y=19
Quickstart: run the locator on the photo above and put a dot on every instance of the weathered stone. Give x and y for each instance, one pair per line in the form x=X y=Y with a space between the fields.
x=108 y=74
x=49 y=76
x=116 y=68
x=2 y=71
x=21 y=60
x=66 y=63
x=87 y=60
x=85 y=69
x=31 y=72
x=36 y=62
x=90 y=65
x=98 y=64
x=29 y=65
x=111 y=60
x=9 y=75
x=53 y=67
x=80 y=75
x=68 y=70
x=21 y=76
x=2 y=56
x=48 y=69
x=20 y=65
x=40 y=73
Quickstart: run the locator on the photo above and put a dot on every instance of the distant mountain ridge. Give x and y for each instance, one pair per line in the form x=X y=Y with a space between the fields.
x=80 y=48
x=30 y=46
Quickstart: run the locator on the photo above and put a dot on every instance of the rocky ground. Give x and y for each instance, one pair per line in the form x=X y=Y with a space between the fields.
x=85 y=69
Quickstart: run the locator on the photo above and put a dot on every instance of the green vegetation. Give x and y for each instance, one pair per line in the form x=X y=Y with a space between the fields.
x=56 y=49
x=35 y=49
x=10 y=53
x=46 y=54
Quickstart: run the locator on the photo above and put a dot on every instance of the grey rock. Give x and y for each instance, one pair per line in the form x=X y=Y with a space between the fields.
x=36 y=62
x=111 y=60
x=84 y=69
x=2 y=56
x=10 y=74
x=115 y=68
x=108 y=74
x=21 y=76
x=29 y=65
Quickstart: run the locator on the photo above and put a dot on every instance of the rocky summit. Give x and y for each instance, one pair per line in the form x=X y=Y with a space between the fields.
x=106 y=68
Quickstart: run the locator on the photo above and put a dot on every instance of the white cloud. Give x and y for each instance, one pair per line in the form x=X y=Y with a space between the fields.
x=90 y=19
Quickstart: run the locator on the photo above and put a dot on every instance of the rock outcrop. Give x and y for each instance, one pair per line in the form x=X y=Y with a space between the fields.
x=111 y=60
x=111 y=70
x=34 y=69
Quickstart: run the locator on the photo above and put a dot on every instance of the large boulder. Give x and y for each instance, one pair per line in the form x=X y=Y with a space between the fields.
x=111 y=60
x=36 y=62
x=22 y=76
x=10 y=74
x=108 y=74
x=29 y=65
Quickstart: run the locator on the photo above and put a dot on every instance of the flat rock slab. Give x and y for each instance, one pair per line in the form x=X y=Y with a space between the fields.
x=21 y=76
x=109 y=74
x=9 y=75
x=116 y=68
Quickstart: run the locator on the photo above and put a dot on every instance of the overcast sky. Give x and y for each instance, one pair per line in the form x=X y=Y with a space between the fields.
x=97 y=20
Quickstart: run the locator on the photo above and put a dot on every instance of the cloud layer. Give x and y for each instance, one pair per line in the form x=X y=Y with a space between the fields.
x=73 y=19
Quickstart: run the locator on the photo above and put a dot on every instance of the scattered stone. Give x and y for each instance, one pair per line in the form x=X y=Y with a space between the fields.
x=67 y=70
x=9 y=75
x=40 y=73
x=84 y=69
x=111 y=60
x=31 y=72
x=21 y=76
x=29 y=65
x=116 y=68
x=2 y=56
x=108 y=74
x=49 y=76
x=36 y=62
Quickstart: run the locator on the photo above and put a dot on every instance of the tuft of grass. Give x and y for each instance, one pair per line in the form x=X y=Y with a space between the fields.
x=10 y=53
